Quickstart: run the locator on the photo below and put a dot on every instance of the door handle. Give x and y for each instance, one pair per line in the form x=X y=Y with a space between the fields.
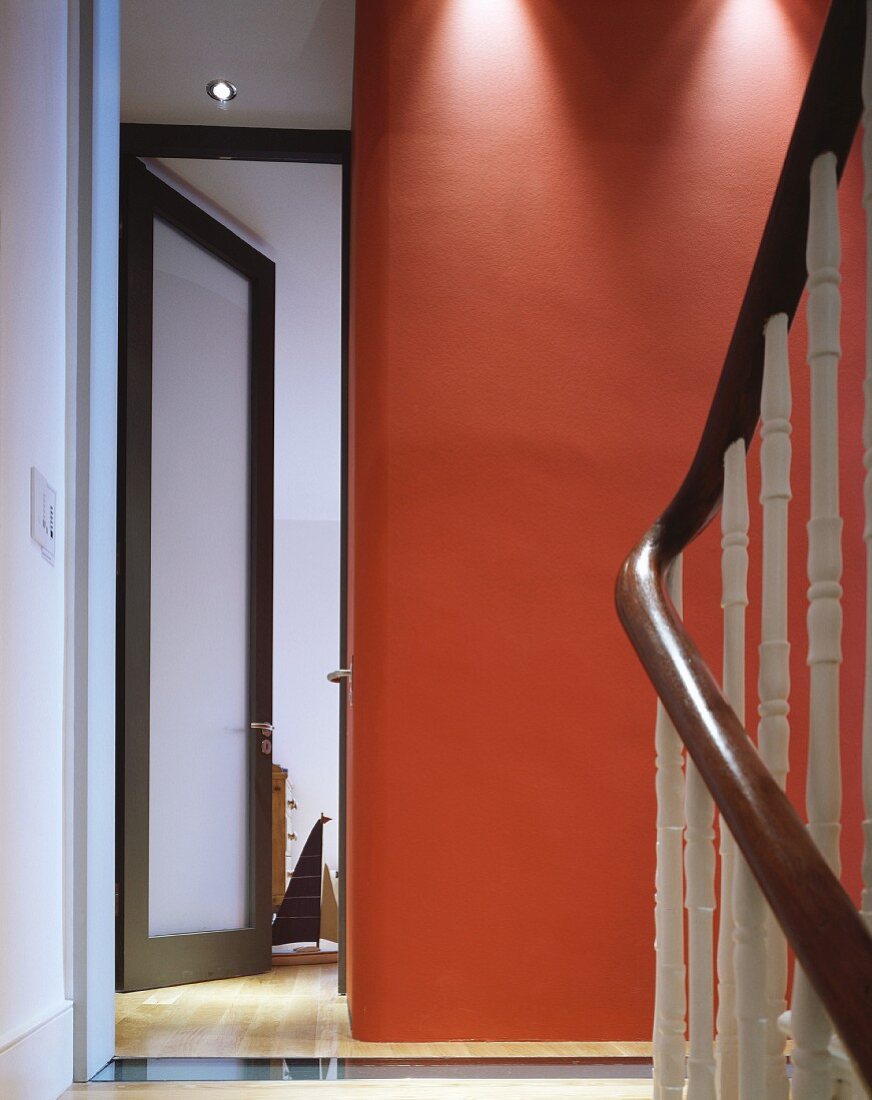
x=266 y=730
x=340 y=674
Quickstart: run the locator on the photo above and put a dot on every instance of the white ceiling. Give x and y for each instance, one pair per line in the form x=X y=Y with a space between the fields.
x=290 y=59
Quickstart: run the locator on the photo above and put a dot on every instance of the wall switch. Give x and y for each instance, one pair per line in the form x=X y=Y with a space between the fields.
x=43 y=514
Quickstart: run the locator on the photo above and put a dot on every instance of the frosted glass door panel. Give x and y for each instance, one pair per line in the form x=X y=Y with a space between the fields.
x=199 y=736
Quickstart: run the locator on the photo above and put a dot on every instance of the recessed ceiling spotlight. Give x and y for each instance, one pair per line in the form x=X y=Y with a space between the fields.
x=222 y=91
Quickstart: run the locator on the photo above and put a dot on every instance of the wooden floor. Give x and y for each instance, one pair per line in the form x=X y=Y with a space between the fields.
x=293 y=1011
x=379 y=1090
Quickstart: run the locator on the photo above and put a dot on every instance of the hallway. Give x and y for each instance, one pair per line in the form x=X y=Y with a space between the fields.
x=292 y=1011
x=395 y=1090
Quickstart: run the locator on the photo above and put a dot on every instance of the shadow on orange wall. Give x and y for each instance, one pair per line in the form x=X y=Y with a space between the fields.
x=556 y=209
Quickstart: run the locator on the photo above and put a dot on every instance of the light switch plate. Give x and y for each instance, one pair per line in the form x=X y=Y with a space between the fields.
x=43 y=514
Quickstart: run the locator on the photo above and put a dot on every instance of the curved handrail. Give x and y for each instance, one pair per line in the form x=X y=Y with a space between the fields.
x=819 y=919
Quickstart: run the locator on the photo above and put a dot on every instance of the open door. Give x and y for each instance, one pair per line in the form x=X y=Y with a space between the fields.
x=195 y=593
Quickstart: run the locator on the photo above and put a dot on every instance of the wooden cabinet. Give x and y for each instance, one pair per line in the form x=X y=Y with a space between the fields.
x=280 y=798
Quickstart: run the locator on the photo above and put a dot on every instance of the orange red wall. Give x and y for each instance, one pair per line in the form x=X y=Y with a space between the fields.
x=556 y=208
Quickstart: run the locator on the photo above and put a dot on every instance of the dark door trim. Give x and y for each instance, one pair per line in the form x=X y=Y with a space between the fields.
x=253 y=144
x=145 y=139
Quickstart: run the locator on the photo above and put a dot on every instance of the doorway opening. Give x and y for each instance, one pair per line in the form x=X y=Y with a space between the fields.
x=215 y=805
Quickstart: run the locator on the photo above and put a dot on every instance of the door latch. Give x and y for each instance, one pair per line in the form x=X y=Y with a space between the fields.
x=340 y=674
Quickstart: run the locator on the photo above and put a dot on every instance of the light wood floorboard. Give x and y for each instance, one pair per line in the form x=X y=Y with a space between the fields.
x=380 y=1090
x=292 y=1011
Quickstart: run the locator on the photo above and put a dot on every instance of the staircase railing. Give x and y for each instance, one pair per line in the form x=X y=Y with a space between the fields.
x=766 y=851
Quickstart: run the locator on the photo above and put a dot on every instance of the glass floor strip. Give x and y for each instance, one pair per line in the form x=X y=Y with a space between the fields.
x=369 y=1069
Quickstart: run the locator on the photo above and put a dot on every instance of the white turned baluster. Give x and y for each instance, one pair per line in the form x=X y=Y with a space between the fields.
x=811 y=1027
x=699 y=861
x=727 y=1043
x=669 y=1007
x=866 y=903
x=734 y=568
x=749 y=911
x=773 y=730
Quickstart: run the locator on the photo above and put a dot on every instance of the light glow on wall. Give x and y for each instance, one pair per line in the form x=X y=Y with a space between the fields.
x=490 y=10
x=746 y=42
x=758 y=31
x=485 y=47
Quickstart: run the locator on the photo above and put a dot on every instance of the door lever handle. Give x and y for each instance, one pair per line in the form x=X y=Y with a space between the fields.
x=340 y=674
x=266 y=731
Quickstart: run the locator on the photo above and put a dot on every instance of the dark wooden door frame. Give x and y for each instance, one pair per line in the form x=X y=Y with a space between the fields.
x=251 y=144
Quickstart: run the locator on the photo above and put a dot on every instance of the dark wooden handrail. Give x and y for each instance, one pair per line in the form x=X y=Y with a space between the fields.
x=819 y=919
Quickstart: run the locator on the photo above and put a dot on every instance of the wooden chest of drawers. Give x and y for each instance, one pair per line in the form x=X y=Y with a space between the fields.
x=281 y=798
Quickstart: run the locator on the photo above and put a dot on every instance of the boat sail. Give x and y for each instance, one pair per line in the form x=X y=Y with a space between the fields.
x=299 y=917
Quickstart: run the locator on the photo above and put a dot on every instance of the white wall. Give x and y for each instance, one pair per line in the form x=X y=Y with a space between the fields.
x=305 y=706
x=35 y=1016
x=293 y=213
x=308 y=467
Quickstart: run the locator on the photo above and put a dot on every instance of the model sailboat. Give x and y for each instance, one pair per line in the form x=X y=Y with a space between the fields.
x=299 y=917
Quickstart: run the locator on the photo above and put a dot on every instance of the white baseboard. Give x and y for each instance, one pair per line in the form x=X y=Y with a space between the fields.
x=37 y=1064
